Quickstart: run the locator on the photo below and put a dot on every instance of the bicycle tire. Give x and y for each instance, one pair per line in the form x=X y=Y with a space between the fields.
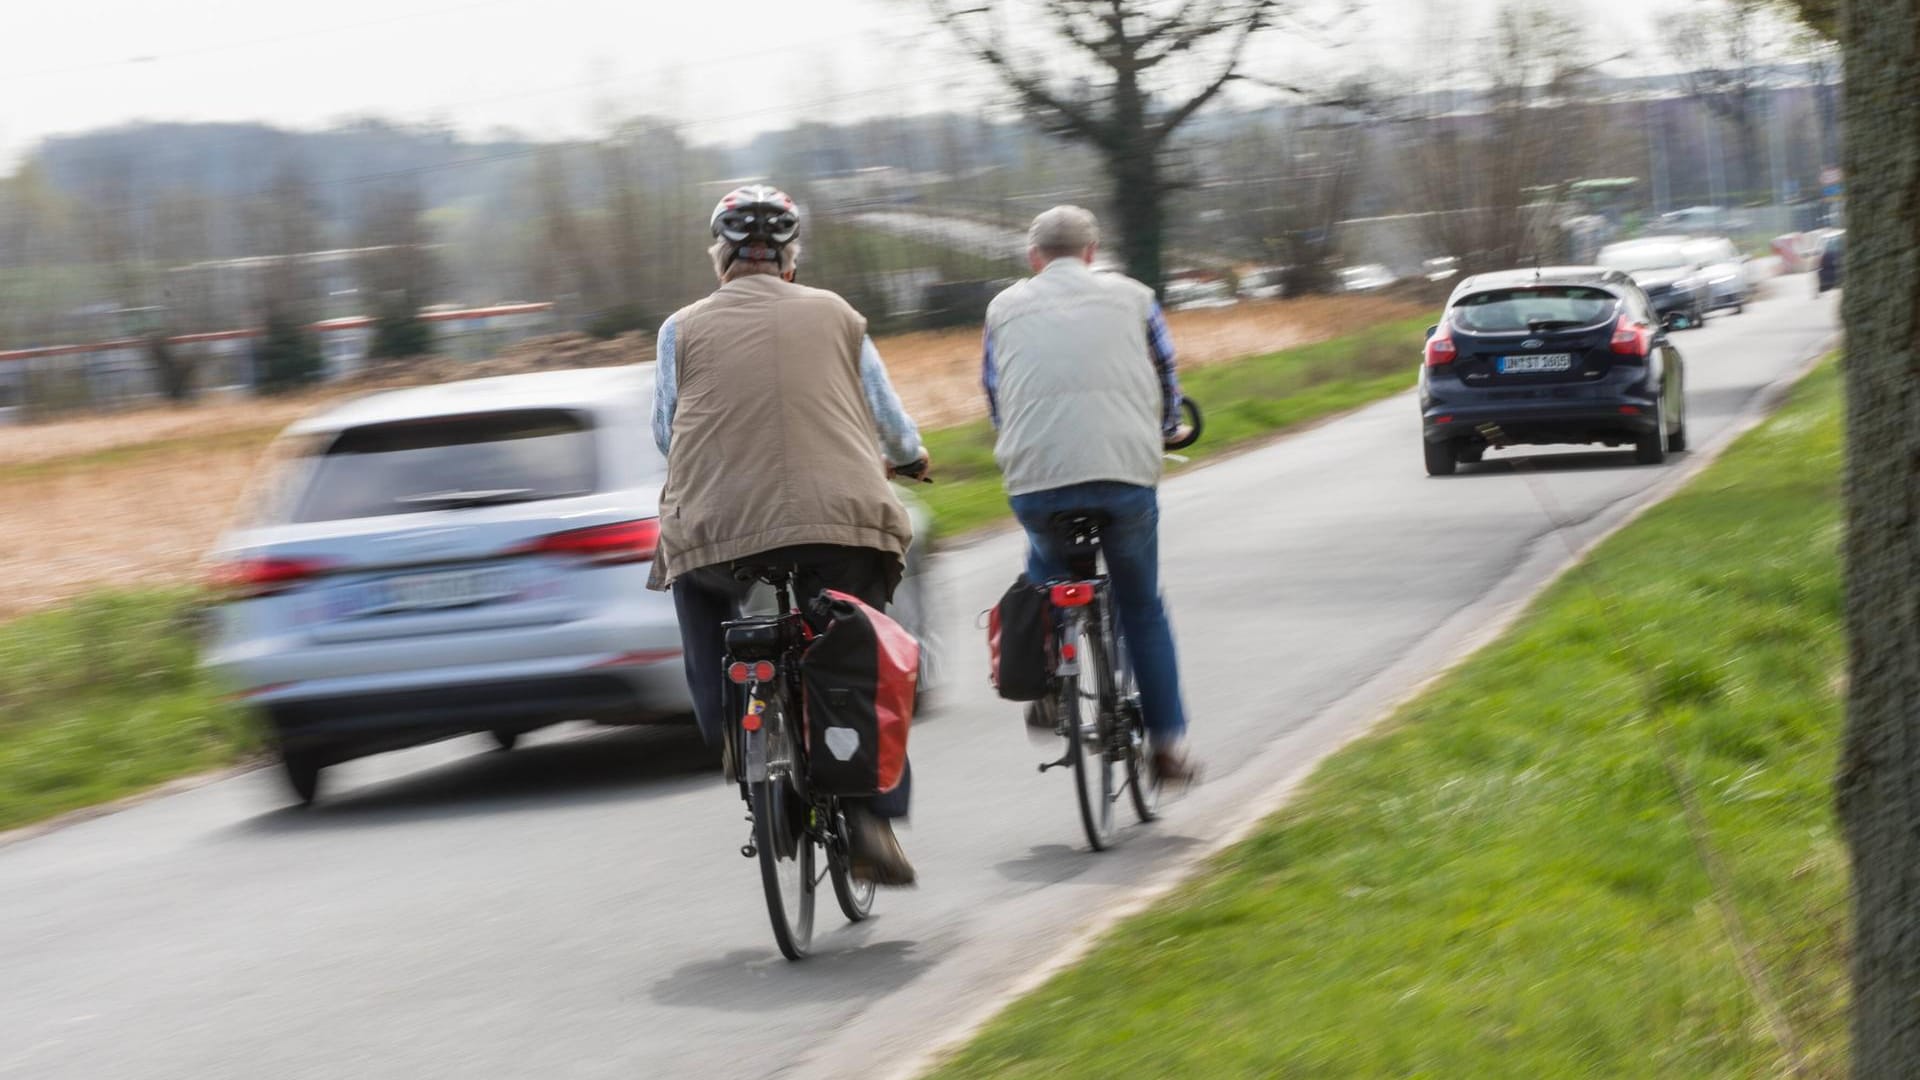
x=1143 y=788
x=1197 y=424
x=855 y=897
x=789 y=902
x=1094 y=795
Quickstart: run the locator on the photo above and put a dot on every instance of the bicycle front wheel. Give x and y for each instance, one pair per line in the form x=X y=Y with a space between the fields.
x=1094 y=777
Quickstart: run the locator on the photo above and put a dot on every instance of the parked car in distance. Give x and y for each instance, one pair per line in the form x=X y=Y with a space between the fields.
x=1561 y=355
x=1725 y=268
x=1366 y=277
x=1702 y=219
x=1832 y=270
x=467 y=558
x=1667 y=274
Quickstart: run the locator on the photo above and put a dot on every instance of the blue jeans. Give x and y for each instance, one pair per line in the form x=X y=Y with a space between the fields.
x=1131 y=545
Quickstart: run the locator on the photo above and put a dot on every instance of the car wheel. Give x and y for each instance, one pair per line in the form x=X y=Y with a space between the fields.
x=1651 y=449
x=1440 y=459
x=506 y=740
x=303 y=775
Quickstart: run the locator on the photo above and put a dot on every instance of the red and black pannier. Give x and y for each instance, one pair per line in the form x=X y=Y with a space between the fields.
x=859 y=677
x=1020 y=642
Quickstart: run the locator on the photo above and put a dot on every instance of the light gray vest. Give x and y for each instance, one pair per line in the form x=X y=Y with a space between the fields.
x=1079 y=397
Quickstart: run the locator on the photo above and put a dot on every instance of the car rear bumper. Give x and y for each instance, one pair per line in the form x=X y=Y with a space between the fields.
x=1540 y=421
x=338 y=722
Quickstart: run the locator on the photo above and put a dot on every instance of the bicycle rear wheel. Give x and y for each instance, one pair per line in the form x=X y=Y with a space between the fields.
x=1143 y=787
x=1093 y=768
x=786 y=848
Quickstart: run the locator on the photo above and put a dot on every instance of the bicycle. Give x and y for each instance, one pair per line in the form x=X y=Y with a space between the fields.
x=1104 y=728
x=792 y=826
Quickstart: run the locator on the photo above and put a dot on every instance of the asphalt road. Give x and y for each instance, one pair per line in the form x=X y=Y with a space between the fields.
x=577 y=908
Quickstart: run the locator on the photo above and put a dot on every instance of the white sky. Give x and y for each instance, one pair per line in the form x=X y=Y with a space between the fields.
x=553 y=68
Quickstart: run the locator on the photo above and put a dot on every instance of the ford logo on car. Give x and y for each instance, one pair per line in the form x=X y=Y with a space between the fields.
x=1532 y=343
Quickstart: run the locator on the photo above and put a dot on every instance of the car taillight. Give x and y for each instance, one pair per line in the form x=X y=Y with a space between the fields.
x=621 y=542
x=1631 y=338
x=1440 y=350
x=245 y=579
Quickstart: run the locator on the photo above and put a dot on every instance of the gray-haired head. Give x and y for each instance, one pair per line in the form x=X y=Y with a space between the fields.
x=1063 y=231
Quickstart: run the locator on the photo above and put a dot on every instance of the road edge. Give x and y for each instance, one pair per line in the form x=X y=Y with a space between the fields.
x=1326 y=733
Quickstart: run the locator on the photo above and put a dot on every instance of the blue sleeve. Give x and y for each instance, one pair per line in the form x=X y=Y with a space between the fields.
x=990 y=376
x=1160 y=345
x=899 y=438
x=666 y=385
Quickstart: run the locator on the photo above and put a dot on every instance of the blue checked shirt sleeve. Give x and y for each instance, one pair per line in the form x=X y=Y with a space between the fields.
x=990 y=377
x=899 y=438
x=1160 y=346
x=666 y=385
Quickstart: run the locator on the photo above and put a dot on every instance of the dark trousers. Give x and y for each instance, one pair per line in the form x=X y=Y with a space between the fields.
x=706 y=598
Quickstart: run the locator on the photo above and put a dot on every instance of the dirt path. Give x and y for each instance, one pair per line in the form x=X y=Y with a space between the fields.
x=139 y=497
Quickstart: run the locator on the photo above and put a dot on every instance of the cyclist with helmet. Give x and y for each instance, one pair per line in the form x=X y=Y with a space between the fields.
x=1081 y=386
x=780 y=430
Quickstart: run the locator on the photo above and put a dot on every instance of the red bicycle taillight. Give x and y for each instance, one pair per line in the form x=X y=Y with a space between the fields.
x=1072 y=594
x=1631 y=338
x=246 y=579
x=1440 y=351
x=621 y=542
x=742 y=673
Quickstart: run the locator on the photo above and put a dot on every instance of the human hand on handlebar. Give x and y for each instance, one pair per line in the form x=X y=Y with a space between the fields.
x=920 y=469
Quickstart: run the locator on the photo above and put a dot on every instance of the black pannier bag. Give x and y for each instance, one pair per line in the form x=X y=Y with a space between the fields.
x=859 y=677
x=1020 y=642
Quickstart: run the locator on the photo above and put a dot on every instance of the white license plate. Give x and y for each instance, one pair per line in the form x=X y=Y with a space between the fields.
x=432 y=591
x=1552 y=361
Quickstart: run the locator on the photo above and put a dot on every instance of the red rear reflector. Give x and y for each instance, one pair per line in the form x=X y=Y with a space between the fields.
x=1447 y=419
x=1073 y=594
x=244 y=579
x=621 y=542
x=763 y=671
x=737 y=672
x=1069 y=652
x=1630 y=410
x=751 y=721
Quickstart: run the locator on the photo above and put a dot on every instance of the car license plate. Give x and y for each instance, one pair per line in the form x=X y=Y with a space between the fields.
x=433 y=591
x=1553 y=361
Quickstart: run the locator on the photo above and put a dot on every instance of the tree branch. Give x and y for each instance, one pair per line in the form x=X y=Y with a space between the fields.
x=1228 y=72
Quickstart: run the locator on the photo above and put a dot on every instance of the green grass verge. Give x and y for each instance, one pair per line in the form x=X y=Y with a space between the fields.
x=103 y=699
x=1501 y=883
x=1245 y=400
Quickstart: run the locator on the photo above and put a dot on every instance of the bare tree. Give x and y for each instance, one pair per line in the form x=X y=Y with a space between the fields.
x=397 y=268
x=1723 y=49
x=1489 y=177
x=1878 y=786
x=1132 y=114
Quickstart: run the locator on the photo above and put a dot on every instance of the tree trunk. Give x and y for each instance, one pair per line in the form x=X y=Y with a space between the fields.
x=1139 y=202
x=1878 y=786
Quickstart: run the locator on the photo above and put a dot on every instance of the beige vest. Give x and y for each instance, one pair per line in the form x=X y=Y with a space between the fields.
x=773 y=443
x=1079 y=398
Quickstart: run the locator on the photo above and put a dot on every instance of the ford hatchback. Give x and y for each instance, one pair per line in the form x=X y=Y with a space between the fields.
x=1565 y=355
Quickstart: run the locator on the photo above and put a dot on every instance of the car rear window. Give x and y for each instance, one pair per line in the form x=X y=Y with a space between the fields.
x=1536 y=307
x=450 y=462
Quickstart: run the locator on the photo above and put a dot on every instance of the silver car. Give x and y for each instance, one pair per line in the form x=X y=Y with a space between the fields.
x=1725 y=269
x=456 y=559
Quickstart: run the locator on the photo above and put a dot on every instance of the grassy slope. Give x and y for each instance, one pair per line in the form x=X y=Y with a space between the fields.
x=1501 y=883
x=100 y=699
x=1245 y=400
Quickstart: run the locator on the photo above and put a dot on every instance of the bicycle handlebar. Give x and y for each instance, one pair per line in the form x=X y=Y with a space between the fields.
x=1196 y=424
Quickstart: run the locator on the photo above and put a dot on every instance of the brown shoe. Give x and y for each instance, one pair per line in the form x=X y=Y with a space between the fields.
x=873 y=852
x=1173 y=768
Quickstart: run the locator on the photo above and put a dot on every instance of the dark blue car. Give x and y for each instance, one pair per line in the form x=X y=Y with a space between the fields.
x=1557 y=355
